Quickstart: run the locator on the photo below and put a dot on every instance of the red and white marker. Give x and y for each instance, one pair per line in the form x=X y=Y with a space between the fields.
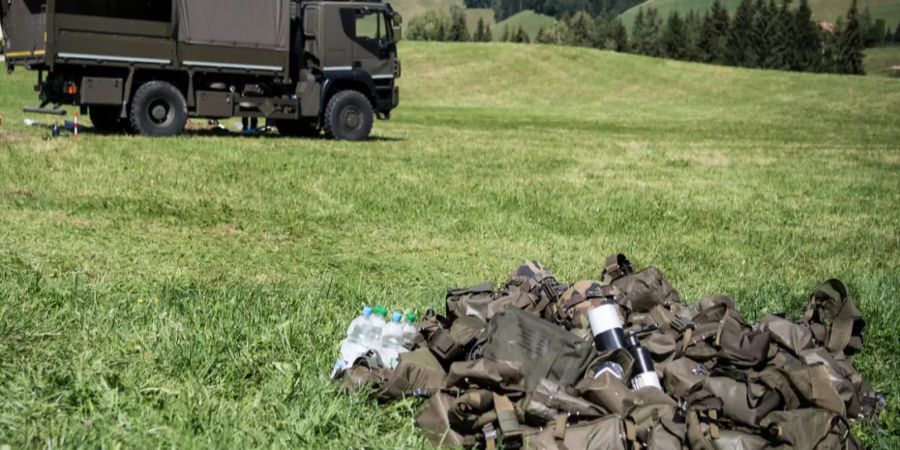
x=76 y=123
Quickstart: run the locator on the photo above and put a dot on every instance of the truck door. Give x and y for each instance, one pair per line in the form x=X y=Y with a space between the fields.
x=371 y=39
x=25 y=26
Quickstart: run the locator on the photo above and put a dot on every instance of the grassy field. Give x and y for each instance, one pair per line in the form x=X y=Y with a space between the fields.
x=827 y=10
x=530 y=21
x=191 y=292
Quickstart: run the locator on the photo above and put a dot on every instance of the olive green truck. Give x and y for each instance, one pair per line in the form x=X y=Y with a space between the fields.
x=146 y=66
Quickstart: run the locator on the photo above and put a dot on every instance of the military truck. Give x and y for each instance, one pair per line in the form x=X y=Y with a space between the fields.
x=147 y=66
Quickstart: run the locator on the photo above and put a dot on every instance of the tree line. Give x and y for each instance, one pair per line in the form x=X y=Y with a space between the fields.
x=759 y=34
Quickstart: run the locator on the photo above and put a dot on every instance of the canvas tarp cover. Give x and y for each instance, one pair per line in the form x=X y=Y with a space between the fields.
x=241 y=23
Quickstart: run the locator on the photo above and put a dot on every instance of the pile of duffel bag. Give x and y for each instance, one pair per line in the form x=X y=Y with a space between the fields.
x=516 y=367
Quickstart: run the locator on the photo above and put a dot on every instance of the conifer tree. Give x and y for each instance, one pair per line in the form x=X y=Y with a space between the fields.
x=479 y=31
x=897 y=34
x=637 y=31
x=488 y=36
x=828 y=61
x=713 y=34
x=505 y=36
x=520 y=36
x=544 y=36
x=692 y=25
x=761 y=18
x=582 y=32
x=851 y=45
x=620 y=37
x=739 y=42
x=781 y=37
x=807 y=45
x=458 y=31
x=673 y=38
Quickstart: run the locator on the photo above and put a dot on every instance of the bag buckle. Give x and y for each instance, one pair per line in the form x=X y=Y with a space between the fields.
x=681 y=325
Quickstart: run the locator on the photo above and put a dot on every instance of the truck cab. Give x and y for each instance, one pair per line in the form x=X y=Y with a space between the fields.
x=146 y=66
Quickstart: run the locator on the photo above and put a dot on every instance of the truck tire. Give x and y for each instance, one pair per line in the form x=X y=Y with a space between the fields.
x=106 y=119
x=298 y=128
x=158 y=109
x=348 y=116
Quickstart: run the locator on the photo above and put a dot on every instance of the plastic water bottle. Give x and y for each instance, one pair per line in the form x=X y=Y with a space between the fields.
x=355 y=344
x=409 y=331
x=377 y=321
x=392 y=341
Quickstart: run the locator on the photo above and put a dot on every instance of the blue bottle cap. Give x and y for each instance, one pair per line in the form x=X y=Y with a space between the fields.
x=397 y=317
x=367 y=311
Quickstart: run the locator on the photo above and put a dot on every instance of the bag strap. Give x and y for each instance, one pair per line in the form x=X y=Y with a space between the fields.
x=615 y=267
x=506 y=414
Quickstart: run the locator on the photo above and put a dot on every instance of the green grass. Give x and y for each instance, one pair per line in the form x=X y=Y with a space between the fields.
x=826 y=10
x=191 y=292
x=529 y=20
x=883 y=61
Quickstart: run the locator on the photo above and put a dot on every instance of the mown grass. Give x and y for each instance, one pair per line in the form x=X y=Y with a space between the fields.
x=191 y=292
x=883 y=61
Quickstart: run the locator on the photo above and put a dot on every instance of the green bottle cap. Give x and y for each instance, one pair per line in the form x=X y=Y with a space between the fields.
x=411 y=317
x=381 y=311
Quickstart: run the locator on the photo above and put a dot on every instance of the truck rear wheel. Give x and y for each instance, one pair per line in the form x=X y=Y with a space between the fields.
x=106 y=118
x=158 y=109
x=299 y=128
x=349 y=116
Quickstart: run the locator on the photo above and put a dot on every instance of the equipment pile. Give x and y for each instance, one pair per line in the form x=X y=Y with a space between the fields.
x=624 y=364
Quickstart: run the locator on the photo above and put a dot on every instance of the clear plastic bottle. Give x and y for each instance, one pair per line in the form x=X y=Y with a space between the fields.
x=377 y=322
x=409 y=330
x=392 y=341
x=355 y=344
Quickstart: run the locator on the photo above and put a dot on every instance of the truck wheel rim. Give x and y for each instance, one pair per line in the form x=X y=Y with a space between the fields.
x=352 y=118
x=160 y=112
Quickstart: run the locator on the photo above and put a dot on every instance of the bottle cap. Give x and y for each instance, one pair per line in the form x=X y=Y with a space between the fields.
x=397 y=317
x=381 y=311
x=411 y=317
x=367 y=311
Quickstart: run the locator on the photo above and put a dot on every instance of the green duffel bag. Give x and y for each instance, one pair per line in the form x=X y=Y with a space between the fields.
x=543 y=349
x=739 y=440
x=418 y=374
x=644 y=289
x=810 y=429
x=473 y=301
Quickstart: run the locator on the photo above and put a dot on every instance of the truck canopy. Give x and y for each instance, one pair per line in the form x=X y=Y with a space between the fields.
x=263 y=24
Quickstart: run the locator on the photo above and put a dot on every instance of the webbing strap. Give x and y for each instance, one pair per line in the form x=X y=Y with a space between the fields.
x=615 y=267
x=506 y=414
x=559 y=429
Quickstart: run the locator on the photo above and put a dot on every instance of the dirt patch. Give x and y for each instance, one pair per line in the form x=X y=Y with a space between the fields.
x=63 y=217
x=17 y=193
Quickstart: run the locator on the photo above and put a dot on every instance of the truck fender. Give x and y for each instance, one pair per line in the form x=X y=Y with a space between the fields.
x=341 y=79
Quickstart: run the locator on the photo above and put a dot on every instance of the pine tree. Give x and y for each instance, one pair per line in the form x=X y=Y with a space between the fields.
x=637 y=31
x=692 y=25
x=521 y=36
x=545 y=36
x=440 y=33
x=867 y=28
x=458 y=30
x=673 y=38
x=713 y=34
x=897 y=34
x=479 y=31
x=505 y=36
x=807 y=45
x=739 y=42
x=620 y=37
x=829 y=60
x=779 y=35
x=582 y=32
x=761 y=18
x=488 y=35
x=851 y=45
x=647 y=42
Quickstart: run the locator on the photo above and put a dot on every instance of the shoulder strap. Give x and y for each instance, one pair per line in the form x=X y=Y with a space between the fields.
x=615 y=267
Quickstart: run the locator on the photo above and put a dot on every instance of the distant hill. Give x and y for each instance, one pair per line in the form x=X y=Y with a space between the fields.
x=413 y=8
x=826 y=10
x=529 y=20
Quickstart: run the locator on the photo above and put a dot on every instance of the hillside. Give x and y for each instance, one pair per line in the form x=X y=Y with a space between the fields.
x=413 y=8
x=825 y=10
x=191 y=292
x=530 y=21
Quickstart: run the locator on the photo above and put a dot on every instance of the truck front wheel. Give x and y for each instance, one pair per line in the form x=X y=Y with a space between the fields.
x=158 y=109
x=348 y=116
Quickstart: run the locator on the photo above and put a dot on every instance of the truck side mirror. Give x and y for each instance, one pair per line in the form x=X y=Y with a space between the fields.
x=398 y=33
